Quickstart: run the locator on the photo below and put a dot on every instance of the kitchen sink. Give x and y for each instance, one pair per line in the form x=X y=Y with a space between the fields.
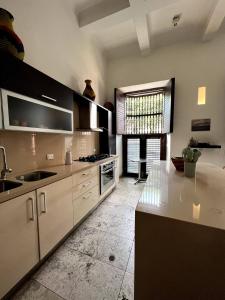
x=35 y=176
x=6 y=185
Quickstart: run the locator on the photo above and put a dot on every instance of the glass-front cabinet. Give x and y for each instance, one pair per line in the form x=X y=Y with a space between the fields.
x=23 y=113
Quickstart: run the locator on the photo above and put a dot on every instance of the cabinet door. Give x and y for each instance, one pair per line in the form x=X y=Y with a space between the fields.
x=55 y=213
x=19 y=77
x=83 y=204
x=18 y=240
x=117 y=171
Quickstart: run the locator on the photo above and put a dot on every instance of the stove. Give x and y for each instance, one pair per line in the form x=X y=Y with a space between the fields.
x=93 y=158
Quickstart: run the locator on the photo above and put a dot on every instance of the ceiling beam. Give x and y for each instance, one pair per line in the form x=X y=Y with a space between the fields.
x=139 y=14
x=215 y=20
x=104 y=14
x=107 y=14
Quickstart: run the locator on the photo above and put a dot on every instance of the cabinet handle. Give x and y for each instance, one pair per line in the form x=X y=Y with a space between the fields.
x=44 y=211
x=85 y=198
x=49 y=98
x=32 y=208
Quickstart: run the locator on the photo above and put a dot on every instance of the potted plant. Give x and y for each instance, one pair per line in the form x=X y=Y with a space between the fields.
x=191 y=157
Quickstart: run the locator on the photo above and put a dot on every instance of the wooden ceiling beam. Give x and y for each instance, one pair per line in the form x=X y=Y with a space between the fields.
x=215 y=20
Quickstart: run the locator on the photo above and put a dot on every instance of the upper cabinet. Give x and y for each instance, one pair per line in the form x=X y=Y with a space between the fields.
x=22 y=113
x=19 y=77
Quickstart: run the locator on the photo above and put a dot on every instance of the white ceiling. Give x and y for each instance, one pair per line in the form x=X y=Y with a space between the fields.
x=120 y=26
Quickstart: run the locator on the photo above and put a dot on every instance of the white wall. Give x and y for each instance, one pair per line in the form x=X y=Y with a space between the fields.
x=55 y=45
x=193 y=65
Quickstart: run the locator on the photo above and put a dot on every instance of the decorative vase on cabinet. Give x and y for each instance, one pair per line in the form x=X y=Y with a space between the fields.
x=88 y=91
x=9 y=41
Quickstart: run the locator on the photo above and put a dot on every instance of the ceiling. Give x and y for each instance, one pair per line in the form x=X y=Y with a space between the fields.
x=121 y=26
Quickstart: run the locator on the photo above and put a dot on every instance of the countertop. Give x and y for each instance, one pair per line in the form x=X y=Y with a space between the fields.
x=200 y=200
x=62 y=171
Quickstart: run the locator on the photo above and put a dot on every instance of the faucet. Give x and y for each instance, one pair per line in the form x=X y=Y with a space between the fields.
x=5 y=169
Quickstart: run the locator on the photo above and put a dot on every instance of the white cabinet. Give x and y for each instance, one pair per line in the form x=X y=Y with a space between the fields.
x=18 y=240
x=117 y=171
x=55 y=213
x=86 y=193
x=83 y=204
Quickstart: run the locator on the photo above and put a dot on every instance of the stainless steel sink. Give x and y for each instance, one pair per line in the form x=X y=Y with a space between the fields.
x=6 y=185
x=35 y=176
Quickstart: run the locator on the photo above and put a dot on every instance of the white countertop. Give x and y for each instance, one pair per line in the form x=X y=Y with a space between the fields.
x=199 y=200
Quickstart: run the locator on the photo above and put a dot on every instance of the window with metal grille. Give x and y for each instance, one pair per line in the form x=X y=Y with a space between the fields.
x=153 y=148
x=133 y=155
x=144 y=113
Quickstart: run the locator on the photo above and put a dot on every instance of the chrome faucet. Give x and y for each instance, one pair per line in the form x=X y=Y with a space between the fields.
x=5 y=169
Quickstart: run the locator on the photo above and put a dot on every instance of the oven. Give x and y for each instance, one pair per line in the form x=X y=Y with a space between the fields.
x=107 y=176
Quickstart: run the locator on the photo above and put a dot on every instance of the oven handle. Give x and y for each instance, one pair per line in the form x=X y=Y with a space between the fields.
x=106 y=172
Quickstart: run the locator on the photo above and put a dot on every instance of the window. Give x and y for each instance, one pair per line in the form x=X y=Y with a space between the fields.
x=144 y=113
x=133 y=154
x=144 y=118
x=149 y=147
x=153 y=151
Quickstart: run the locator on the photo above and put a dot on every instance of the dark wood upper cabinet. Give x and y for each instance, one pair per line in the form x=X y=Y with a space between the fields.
x=19 y=77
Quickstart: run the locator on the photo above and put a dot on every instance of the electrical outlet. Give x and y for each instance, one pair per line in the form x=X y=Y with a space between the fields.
x=50 y=156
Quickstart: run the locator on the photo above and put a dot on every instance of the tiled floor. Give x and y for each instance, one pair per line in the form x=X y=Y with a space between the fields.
x=97 y=261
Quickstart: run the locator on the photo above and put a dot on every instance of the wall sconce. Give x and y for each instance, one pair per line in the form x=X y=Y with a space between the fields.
x=196 y=211
x=201 y=95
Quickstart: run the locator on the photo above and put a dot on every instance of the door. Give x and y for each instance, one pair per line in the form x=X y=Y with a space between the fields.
x=18 y=240
x=149 y=147
x=55 y=213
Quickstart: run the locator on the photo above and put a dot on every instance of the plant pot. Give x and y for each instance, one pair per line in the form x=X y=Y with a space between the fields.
x=189 y=169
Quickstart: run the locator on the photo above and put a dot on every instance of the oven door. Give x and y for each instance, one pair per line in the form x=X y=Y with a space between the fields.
x=107 y=179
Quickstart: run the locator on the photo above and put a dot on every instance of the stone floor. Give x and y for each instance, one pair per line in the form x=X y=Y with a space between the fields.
x=97 y=261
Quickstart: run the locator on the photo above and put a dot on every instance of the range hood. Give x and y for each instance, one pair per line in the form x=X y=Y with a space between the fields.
x=88 y=118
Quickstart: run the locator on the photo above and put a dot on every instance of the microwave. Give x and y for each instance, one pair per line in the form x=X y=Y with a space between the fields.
x=22 y=113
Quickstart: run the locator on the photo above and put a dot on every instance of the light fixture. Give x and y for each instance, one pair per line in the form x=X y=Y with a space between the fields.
x=201 y=95
x=196 y=211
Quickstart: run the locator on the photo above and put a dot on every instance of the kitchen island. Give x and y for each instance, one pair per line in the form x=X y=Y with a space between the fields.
x=180 y=235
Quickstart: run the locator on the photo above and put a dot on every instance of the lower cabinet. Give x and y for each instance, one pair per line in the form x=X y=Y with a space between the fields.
x=32 y=224
x=18 y=240
x=55 y=213
x=117 y=171
x=86 y=193
x=83 y=204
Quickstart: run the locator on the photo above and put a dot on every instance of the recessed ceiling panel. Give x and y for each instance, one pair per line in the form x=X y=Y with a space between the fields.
x=194 y=15
x=118 y=35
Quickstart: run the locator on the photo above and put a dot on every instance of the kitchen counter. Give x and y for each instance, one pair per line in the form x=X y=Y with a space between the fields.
x=180 y=236
x=62 y=171
x=199 y=200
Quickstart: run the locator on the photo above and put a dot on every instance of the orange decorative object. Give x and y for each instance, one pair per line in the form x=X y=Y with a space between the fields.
x=88 y=91
x=9 y=41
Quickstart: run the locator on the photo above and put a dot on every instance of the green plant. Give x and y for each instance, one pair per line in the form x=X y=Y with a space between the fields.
x=191 y=155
